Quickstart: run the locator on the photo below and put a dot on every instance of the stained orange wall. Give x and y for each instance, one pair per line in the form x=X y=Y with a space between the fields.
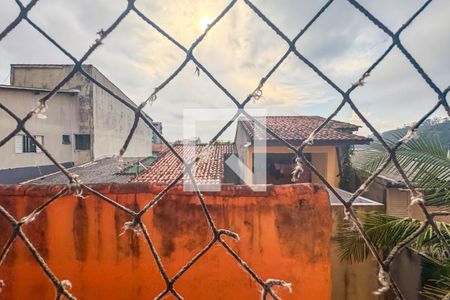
x=285 y=234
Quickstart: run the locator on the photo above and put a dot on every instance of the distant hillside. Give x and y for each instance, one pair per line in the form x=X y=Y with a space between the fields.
x=439 y=127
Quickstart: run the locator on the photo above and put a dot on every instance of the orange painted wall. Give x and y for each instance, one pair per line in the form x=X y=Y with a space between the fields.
x=285 y=234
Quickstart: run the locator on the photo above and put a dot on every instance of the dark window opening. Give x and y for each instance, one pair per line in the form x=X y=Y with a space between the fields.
x=280 y=167
x=28 y=145
x=228 y=174
x=82 y=141
x=66 y=139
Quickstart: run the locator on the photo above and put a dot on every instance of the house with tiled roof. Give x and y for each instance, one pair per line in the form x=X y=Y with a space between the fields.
x=214 y=169
x=324 y=152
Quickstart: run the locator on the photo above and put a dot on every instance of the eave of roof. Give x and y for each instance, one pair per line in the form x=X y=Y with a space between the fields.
x=322 y=142
x=37 y=90
x=391 y=182
x=338 y=127
x=359 y=201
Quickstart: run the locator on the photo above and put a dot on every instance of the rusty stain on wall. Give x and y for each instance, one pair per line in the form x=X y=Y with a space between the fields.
x=98 y=224
x=6 y=230
x=126 y=243
x=80 y=229
x=176 y=218
x=281 y=237
x=292 y=220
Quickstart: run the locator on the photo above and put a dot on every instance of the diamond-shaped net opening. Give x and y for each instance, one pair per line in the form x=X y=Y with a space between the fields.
x=135 y=223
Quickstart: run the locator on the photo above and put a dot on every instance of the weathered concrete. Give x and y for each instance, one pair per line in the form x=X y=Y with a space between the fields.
x=285 y=233
x=352 y=281
x=61 y=117
x=99 y=114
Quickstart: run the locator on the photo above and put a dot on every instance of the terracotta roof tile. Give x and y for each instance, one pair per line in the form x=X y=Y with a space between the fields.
x=298 y=128
x=167 y=167
x=210 y=168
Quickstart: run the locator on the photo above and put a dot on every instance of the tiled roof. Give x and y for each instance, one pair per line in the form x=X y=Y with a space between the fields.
x=100 y=171
x=208 y=170
x=298 y=128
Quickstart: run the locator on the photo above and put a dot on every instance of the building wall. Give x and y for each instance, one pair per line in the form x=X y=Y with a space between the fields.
x=61 y=118
x=284 y=234
x=376 y=190
x=352 y=281
x=40 y=76
x=406 y=267
x=320 y=161
x=48 y=76
x=156 y=139
x=398 y=202
x=407 y=272
x=416 y=213
x=113 y=121
x=323 y=158
x=103 y=117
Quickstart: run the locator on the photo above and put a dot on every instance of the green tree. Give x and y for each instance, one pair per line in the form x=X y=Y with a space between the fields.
x=427 y=165
x=347 y=176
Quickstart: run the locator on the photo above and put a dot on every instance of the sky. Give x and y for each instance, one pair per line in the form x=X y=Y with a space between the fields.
x=240 y=50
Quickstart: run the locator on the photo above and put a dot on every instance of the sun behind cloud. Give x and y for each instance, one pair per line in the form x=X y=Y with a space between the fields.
x=205 y=21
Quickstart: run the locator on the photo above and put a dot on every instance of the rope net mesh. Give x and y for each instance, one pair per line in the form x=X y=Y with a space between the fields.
x=136 y=225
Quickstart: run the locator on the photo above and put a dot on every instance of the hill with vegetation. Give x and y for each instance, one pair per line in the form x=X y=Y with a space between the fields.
x=439 y=127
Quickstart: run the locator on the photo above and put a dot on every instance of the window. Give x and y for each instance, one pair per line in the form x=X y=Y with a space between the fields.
x=24 y=144
x=280 y=167
x=66 y=139
x=28 y=144
x=82 y=141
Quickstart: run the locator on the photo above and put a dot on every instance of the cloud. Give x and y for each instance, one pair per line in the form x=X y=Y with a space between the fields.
x=241 y=49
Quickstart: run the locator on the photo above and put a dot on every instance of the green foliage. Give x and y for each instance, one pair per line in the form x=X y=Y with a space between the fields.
x=347 y=176
x=425 y=161
x=386 y=232
x=437 y=290
x=436 y=276
x=436 y=128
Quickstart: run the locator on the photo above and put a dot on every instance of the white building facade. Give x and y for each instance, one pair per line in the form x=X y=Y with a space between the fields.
x=82 y=122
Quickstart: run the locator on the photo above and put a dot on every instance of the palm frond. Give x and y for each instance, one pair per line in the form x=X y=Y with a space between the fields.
x=386 y=232
x=438 y=197
x=438 y=290
x=425 y=162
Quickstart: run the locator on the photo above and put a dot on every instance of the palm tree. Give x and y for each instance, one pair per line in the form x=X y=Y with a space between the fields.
x=427 y=164
x=425 y=161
